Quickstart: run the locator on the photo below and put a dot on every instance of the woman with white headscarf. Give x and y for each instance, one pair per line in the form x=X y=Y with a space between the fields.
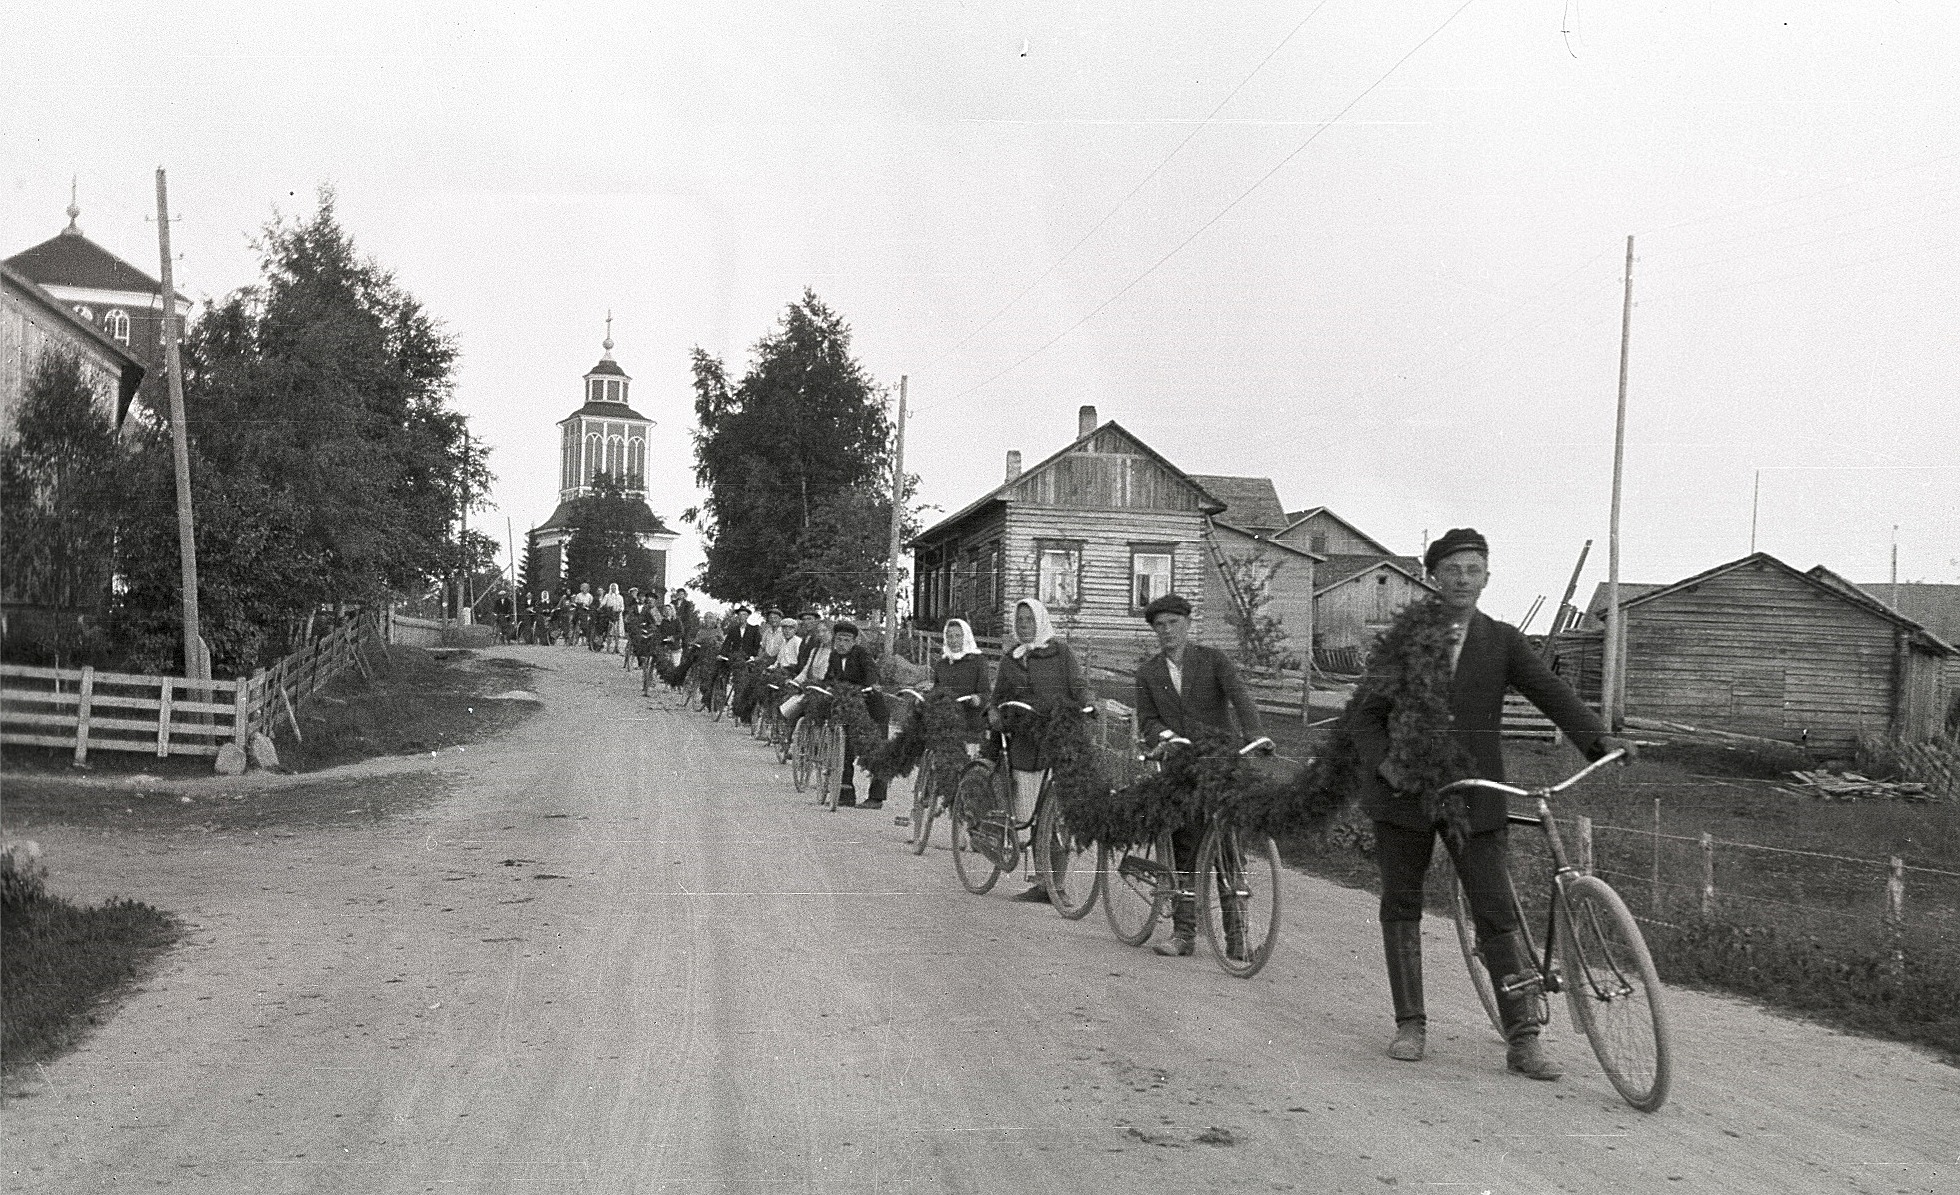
x=961 y=673
x=1044 y=673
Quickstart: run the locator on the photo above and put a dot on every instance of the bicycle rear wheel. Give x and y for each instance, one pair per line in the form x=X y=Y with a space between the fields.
x=1137 y=887
x=830 y=761
x=718 y=698
x=1238 y=898
x=925 y=806
x=779 y=735
x=1614 y=993
x=803 y=754
x=975 y=816
x=1070 y=875
x=1466 y=941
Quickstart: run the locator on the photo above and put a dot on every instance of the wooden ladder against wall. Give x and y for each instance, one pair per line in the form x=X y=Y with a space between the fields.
x=1218 y=562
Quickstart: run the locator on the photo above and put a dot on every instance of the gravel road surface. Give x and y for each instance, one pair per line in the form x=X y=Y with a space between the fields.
x=615 y=952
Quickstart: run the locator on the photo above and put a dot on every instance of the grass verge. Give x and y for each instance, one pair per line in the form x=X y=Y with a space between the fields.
x=60 y=963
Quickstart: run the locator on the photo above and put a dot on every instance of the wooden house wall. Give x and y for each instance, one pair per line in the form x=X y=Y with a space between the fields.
x=961 y=575
x=1103 y=613
x=1291 y=590
x=1758 y=651
x=1339 y=540
x=1354 y=612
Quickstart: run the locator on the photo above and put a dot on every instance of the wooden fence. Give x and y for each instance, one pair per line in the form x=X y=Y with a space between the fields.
x=90 y=710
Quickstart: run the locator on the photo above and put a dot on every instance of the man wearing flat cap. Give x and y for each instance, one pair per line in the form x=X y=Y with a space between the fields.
x=1182 y=689
x=1433 y=701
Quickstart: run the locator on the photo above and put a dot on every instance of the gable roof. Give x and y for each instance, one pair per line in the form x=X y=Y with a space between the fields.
x=1267 y=541
x=131 y=371
x=645 y=521
x=1933 y=606
x=1298 y=517
x=1629 y=590
x=1342 y=565
x=71 y=259
x=1819 y=578
x=1207 y=504
x=1251 y=503
x=1387 y=562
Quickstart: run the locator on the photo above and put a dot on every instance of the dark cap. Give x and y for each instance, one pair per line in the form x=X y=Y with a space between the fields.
x=843 y=628
x=1457 y=539
x=777 y=610
x=1170 y=603
x=809 y=614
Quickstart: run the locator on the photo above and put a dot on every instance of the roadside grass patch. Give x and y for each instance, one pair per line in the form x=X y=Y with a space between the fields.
x=324 y=803
x=421 y=701
x=60 y=963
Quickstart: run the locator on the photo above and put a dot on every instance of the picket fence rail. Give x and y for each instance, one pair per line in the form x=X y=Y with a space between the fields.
x=92 y=710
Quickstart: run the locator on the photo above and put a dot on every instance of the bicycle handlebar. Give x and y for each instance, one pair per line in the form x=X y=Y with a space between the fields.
x=1549 y=791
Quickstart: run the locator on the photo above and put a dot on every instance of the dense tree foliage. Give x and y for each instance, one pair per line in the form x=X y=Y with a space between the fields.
x=327 y=465
x=59 y=505
x=605 y=545
x=796 y=459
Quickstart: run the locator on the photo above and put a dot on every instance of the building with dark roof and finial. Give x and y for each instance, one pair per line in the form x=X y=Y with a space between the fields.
x=604 y=435
x=108 y=294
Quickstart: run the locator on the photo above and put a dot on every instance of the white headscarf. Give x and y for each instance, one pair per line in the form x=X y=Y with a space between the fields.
x=968 y=646
x=1044 y=630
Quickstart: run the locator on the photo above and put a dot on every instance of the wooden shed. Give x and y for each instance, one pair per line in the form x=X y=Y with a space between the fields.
x=1095 y=531
x=1758 y=647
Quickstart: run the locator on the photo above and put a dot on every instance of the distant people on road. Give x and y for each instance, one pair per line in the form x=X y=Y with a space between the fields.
x=612 y=614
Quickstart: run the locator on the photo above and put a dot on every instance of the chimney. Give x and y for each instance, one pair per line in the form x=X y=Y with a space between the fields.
x=1085 y=421
x=1013 y=463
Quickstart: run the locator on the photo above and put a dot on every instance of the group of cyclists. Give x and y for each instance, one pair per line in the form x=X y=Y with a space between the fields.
x=1438 y=700
x=634 y=624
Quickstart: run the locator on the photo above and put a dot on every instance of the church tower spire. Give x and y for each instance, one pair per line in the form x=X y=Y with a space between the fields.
x=74 y=207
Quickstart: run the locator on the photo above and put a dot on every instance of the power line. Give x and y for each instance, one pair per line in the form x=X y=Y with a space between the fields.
x=1222 y=212
x=1210 y=117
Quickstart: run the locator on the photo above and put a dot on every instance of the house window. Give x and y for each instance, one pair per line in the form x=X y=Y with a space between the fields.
x=116 y=324
x=1317 y=543
x=1058 y=573
x=85 y=311
x=1150 y=574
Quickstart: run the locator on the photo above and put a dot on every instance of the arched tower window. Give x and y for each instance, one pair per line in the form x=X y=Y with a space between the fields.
x=636 y=460
x=116 y=324
x=593 y=461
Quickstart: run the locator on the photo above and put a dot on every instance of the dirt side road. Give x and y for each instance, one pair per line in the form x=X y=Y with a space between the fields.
x=634 y=960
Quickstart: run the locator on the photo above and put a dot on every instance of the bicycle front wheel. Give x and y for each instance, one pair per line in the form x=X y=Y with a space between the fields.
x=925 y=806
x=831 y=763
x=976 y=826
x=1069 y=875
x=1137 y=887
x=802 y=753
x=1614 y=992
x=719 y=699
x=1238 y=899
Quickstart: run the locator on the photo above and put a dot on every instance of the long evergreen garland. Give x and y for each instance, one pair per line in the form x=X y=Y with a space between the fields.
x=936 y=729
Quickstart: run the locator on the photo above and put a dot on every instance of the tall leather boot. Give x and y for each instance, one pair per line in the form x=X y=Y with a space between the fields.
x=1522 y=1010
x=1184 y=926
x=1402 y=947
x=1232 y=913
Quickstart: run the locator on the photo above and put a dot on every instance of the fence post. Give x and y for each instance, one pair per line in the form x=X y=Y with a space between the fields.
x=166 y=695
x=241 y=711
x=1306 y=694
x=1585 y=845
x=1654 y=882
x=1707 y=873
x=1895 y=918
x=82 y=715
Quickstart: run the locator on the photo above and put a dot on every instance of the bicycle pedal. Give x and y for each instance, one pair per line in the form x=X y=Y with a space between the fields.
x=901 y=821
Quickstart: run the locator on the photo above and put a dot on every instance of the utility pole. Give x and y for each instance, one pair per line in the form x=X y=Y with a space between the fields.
x=1613 y=671
x=463 y=586
x=196 y=665
x=898 y=514
x=1755 y=504
x=1895 y=568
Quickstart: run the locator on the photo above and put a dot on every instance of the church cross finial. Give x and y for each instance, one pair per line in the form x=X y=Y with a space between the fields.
x=74 y=206
x=608 y=341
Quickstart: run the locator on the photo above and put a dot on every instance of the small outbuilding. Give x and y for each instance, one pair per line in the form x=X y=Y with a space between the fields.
x=1757 y=647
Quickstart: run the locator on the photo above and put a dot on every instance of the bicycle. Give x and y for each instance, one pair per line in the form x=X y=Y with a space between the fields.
x=1602 y=964
x=720 y=689
x=984 y=828
x=818 y=752
x=1236 y=882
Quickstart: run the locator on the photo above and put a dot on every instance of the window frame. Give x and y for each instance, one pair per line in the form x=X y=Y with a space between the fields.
x=1076 y=548
x=1140 y=548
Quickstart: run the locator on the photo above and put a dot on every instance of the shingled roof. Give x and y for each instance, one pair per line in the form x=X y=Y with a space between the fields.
x=1251 y=503
x=71 y=259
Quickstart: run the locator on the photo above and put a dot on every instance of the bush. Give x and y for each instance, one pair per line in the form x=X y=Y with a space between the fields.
x=23 y=877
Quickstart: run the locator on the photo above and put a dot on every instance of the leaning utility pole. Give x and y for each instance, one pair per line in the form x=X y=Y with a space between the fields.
x=1612 y=687
x=196 y=666
x=898 y=515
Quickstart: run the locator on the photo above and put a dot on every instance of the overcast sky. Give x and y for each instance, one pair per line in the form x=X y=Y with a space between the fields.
x=1373 y=251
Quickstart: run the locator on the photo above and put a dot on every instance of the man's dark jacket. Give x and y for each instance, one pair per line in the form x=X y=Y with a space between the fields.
x=1213 y=694
x=742 y=643
x=1495 y=657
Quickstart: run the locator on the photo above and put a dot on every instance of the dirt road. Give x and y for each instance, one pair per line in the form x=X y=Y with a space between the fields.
x=621 y=955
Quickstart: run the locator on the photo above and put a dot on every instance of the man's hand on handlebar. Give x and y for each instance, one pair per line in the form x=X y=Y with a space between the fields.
x=1259 y=746
x=1609 y=743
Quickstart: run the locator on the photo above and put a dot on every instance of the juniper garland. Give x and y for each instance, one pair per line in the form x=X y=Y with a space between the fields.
x=938 y=727
x=862 y=733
